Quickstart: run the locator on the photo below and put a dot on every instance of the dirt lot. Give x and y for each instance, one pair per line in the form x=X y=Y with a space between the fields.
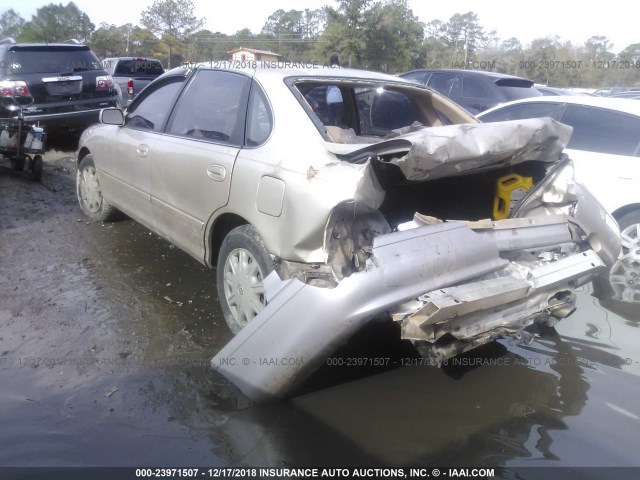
x=106 y=332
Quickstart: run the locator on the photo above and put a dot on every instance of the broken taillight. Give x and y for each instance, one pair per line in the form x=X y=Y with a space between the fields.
x=14 y=88
x=104 y=82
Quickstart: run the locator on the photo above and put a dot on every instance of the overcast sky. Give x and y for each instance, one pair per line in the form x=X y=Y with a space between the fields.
x=571 y=20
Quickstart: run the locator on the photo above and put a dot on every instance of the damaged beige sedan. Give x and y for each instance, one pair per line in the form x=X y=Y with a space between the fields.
x=327 y=197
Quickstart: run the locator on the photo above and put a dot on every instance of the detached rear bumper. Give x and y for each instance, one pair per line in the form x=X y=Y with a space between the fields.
x=473 y=282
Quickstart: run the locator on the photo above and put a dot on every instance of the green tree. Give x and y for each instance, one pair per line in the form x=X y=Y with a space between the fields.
x=631 y=53
x=630 y=71
x=292 y=33
x=110 y=40
x=143 y=43
x=436 y=52
x=393 y=36
x=344 y=33
x=596 y=54
x=205 y=45
x=538 y=55
x=457 y=42
x=464 y=37
x=509 y=56
x=172 y=21
x=281 y=22
x=10 y=24
x=57 y=23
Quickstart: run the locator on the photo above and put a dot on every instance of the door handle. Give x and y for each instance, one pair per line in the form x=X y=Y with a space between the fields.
x=216 y=172
x=142 y=150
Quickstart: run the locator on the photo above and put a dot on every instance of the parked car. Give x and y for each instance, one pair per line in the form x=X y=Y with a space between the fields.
x=68 y=85
x=605 y=147
x=610 y=91
x=316 y=221
x=131 y=75
x=632 y=94
x=475 y=90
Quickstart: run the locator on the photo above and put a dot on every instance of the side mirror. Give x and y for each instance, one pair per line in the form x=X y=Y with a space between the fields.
x=112 y=116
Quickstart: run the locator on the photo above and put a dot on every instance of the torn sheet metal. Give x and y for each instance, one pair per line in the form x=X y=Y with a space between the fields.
x=302 y=324
x=437 y=152
x=466 y=310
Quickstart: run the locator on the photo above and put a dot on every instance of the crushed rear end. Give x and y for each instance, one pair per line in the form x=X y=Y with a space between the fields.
x=451 y=285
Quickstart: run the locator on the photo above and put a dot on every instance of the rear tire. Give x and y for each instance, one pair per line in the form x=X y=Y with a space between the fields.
x=89 y=193
x=625 y=273
x=243 y=263
x=621 y=282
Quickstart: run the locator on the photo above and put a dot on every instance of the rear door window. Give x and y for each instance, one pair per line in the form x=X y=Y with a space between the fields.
x=527 y=110
x=213 y=107
x=259 y=118
x=447 y=84
x=601 y=130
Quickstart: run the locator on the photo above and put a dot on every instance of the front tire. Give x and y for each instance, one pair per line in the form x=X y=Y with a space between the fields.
x=89 y=192
x=243 y=263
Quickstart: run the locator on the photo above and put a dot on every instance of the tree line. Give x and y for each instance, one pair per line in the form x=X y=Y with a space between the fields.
x=382 y=35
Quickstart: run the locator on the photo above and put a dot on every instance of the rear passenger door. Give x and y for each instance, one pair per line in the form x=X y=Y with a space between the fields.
x=612 y=172
x=193 y=161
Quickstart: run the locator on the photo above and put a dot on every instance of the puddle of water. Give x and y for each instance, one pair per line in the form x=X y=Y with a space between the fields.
x=129 y=325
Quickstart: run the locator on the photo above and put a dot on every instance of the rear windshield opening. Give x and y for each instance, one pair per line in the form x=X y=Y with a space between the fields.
x=357 y=113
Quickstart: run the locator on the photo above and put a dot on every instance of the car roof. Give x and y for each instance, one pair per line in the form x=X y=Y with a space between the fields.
x=479 y=73
x=625 y=105
x=294 y=69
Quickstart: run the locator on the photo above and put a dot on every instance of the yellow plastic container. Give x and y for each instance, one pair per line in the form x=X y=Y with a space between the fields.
x=510 y=189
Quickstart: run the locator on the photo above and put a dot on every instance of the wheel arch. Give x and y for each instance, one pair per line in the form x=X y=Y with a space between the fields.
x=220 y=228
x=83 y=152
x=617 y=214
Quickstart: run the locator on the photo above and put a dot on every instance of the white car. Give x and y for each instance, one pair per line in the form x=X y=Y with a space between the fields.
x=605 y=148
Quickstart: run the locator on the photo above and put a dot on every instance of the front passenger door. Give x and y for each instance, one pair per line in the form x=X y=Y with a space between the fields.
x=125 y=175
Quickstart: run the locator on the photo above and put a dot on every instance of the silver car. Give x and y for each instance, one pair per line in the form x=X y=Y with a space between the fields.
x=321 y=197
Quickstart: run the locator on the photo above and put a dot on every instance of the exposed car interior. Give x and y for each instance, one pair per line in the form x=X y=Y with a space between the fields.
x=366 y=114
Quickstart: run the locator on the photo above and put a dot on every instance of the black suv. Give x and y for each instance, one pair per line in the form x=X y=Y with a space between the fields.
x=475 y=90
x=66 y=80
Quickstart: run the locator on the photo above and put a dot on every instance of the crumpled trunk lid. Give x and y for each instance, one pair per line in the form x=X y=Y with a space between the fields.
x=436 y=152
